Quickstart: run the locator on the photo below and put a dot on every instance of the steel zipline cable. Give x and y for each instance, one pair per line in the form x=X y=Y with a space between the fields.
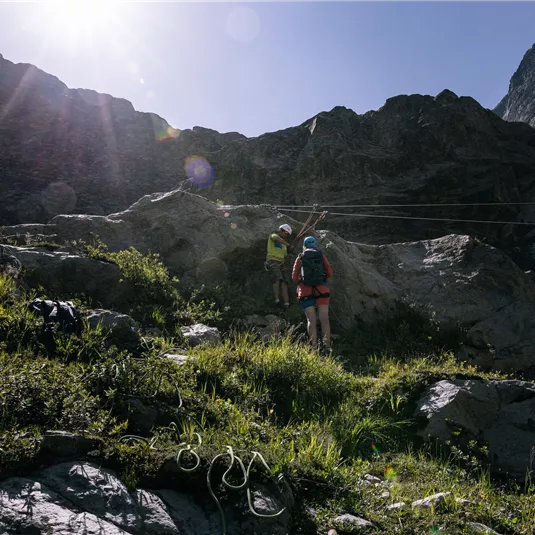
x=530 y=223
x=423 y=205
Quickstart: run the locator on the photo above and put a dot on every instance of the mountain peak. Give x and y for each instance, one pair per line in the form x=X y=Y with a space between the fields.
x=519 y=103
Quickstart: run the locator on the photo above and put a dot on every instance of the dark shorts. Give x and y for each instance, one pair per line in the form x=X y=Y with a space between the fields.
x=277 y=270
x=311 y=301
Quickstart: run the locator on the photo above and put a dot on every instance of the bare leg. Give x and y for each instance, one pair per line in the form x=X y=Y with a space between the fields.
x=284 y=289
x=323 y=313
x=311 y=326
x=276 y=289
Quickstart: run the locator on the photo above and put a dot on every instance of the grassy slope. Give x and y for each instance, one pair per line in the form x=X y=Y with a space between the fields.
x=324 y=423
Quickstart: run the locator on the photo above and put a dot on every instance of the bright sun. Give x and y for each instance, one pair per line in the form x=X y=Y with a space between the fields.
x=80 y=19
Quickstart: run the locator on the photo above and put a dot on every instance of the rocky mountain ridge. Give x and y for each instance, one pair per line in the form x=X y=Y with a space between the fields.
x=414 y=150
x=519 y=103
x=76 y=151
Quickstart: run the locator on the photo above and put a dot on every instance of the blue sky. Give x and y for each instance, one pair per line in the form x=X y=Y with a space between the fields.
x=260 y=67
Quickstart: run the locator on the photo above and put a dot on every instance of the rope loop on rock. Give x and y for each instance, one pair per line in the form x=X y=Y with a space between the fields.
x=249 y=493
x=233 y=457
x=192 y=452
x=233 y=460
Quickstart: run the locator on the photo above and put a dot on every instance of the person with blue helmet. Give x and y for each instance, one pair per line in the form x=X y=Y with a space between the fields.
x=311 y=272
x=309 y=242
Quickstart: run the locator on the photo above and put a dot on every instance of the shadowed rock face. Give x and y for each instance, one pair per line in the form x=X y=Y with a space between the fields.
x=77 y=151
x=519 y=103
x=414 y=150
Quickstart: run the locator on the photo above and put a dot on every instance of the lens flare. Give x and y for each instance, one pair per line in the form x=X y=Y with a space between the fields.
x=390 y=472
x=375 y=449
x=199 y=172
x=211 y=270
x=243 y=24
x=167 y=133
x=58 y=198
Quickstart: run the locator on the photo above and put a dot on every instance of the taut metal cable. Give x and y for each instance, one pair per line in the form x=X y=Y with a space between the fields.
x=422 y=218
x=403 y=205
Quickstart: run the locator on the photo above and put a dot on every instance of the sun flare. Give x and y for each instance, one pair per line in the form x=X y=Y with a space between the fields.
x=81 y=18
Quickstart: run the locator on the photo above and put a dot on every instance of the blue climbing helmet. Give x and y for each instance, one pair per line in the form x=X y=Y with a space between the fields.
x=309 y=242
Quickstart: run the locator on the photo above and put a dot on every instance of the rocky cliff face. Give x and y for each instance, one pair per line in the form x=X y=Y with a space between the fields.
x=519 y=103
x=74 y=151
x=414 y=150
x=77 y=151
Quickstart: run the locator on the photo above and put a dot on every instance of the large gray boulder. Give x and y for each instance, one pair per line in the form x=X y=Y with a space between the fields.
x=500 y=413
x=192 y=235
x=199 y=334
x=462 y=282
x=67 y=273
x=79 y=497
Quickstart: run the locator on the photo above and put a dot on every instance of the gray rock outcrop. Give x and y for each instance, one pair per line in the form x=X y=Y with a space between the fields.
x=68 y=273
x=199 y=334
x=79 y=497
x=499 y=413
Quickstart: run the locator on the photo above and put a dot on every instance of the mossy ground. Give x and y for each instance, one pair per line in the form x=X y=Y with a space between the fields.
x=322 y=422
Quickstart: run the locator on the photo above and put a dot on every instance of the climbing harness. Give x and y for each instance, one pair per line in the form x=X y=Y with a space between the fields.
x=316 y=294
